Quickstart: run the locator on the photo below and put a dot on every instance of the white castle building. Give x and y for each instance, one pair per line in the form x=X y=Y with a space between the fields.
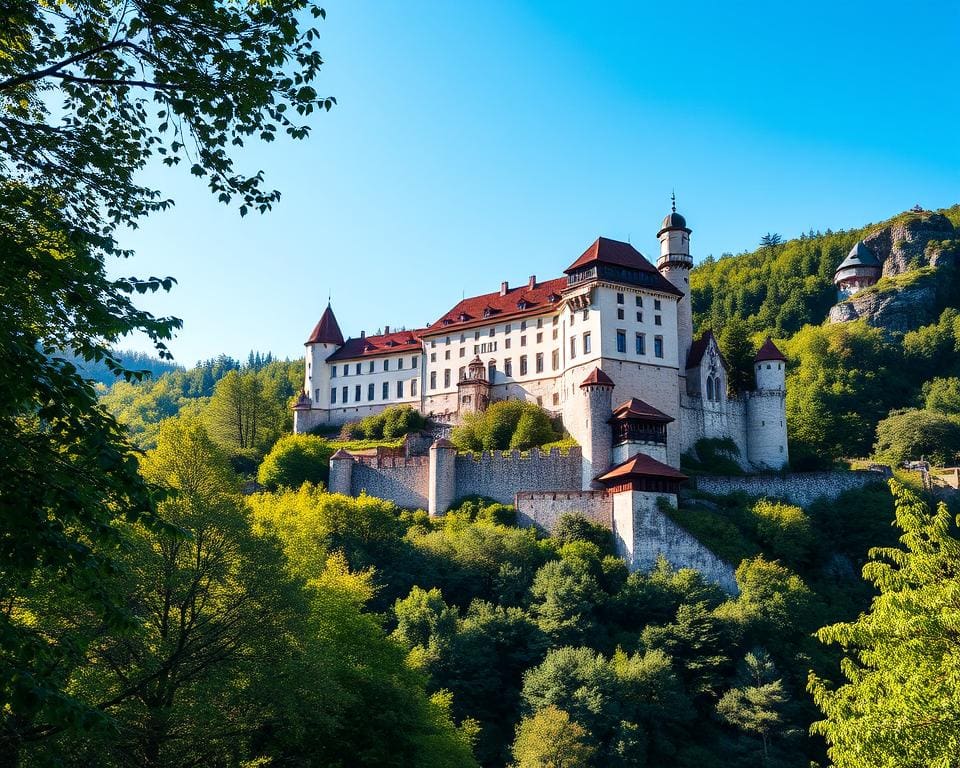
x=608 y=347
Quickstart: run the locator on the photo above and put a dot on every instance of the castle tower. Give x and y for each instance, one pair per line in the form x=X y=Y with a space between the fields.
x=675 y=264
x=767 y=410
x=325 y=339
x=474 y=390
x=859 y=270
x=638 y=427
x=597 y=390
x=443 y=477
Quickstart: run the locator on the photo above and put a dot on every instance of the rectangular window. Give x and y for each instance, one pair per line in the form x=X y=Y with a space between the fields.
x=639 y=301
x=433 y=357
x=641 y=344
x=657 y=320
x=476 y=335
x=619 y=298
x=345 y=395
x=493 y=331
x=508 y=328
x=433 y=342
x=333 y=395
x=586 y=314
x=461 y=374
x=523 y=341
x=399 y=389
x=539 y=362
x=356 y=394
x=523 y=365
x=400 y=362
x=523 y=325
x=508 y=367
x=573 y=318
x=658 y=346
x=463 y=351
x=346 y=369
x=539 y=338
x=556 y=398
x=358 y=369
x=556 y=320
x=370 y=367
x=433 y=379
x=446 y=377
x=385 y=390
x=506 y=343
x=619 y=314
x=554 y=334
x=621 y=341
x=555 y=360
x=447 y=342
x=491 y=371
x=656 y=303
x=413 y=387
x=333 y=374
x=446 y=355
x=539 y=322
x=370 y=391
x=414 y=361
x=316 y=395
x=586 y=343
x=386 y=364
x=573 y=347
x=639 y=317
x=463 y=337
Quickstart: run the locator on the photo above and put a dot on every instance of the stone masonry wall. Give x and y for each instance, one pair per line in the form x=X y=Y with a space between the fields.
x=800 y=488
x=543 y=509
x=500 y=475
x=404 y=481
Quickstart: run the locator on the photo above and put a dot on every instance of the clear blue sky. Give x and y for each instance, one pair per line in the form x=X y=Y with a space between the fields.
x=479 y=142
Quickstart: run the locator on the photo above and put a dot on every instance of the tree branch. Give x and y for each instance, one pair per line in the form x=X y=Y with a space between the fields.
x=102 y=81
x=39 y=74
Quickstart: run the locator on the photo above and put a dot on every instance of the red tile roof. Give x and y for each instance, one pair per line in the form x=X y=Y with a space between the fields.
x=640 y=465
x=769 y=351
x=635 y=408
x=597 y=378
x=327 y=331
x=383 y=344
x=699 y=347
x=619 y=254
x=489 y=308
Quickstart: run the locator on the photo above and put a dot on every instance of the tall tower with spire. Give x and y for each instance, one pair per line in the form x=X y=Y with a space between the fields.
x=324 y=340
x=675 y=264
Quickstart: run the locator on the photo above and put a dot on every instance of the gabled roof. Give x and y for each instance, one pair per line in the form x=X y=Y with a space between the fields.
x=619 y=254
x=487 y=308
x=699 y=348
x=327 y=331
x=769 y=351
x=640 y=465
x=860 y=256
x=635 y=408
x=393 y=343
x=597 y=378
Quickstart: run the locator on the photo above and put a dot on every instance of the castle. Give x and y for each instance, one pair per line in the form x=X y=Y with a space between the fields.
x=613 y=316
x=609 y=348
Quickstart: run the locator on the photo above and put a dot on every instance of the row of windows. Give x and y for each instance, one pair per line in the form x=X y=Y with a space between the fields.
x=640 y=344
x=713 y=388
x=508 y=328
x=639 y=301
x=358 y=367
x=371 y=391
x=657 y=319
x=587 y=345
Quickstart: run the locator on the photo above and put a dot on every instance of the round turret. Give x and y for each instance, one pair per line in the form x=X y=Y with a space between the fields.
x=770 y=367
x=767 y=410
x=859 y=270
x=597 y=448
x=675 y=263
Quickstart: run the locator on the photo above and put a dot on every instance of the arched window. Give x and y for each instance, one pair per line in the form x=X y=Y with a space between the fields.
x=717 y=389
x=709 y=387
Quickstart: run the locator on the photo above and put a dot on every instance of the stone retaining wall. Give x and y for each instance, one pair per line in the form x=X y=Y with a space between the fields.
x=800 y=488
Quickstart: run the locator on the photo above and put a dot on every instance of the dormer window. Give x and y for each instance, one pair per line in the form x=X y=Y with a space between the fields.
x=447 y=321
x=553 y=298
x=463 y=317
x=523 y=304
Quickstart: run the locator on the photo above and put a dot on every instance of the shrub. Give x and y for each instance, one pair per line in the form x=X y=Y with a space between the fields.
x=393 y=422
x=784 y=528
x=506 y=424
x=913 y=433
x=573 y=526
x=294 y=460
x=715 y=455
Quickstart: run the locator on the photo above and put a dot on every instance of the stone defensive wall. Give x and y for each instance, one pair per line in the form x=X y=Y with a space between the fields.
x=405 y=481
x=801 y=488
x=500 y=475
x=542 y=509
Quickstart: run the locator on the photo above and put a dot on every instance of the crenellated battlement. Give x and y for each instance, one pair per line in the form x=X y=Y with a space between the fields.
x=534 y=454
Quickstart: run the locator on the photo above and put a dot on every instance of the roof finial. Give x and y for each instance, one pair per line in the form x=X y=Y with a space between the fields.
x=329 y=295
x=673 y=200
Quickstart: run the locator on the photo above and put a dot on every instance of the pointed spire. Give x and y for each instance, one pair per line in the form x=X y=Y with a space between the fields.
x=327 y=331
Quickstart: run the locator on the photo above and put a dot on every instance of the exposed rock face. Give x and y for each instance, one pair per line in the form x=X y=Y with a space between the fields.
x=912 y=241
x=896 y=310
x=902 y=246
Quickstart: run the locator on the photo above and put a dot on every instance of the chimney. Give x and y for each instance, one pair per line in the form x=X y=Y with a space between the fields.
x=532 y=283
x=504 y=288
x=363 y=334
x=386 y=329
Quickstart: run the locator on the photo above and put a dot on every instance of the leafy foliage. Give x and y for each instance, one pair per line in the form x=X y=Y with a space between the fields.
x=513 y=424
x=295 y=460
x=898 y=706
x=912 y=434
x=392 y=422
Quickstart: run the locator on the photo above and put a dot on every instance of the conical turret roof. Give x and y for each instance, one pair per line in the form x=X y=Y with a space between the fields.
x=860 y=256
x=769 y=351
x=327 y=331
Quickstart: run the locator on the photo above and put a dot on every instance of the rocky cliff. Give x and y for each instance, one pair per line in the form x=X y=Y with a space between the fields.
x=920 y=251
